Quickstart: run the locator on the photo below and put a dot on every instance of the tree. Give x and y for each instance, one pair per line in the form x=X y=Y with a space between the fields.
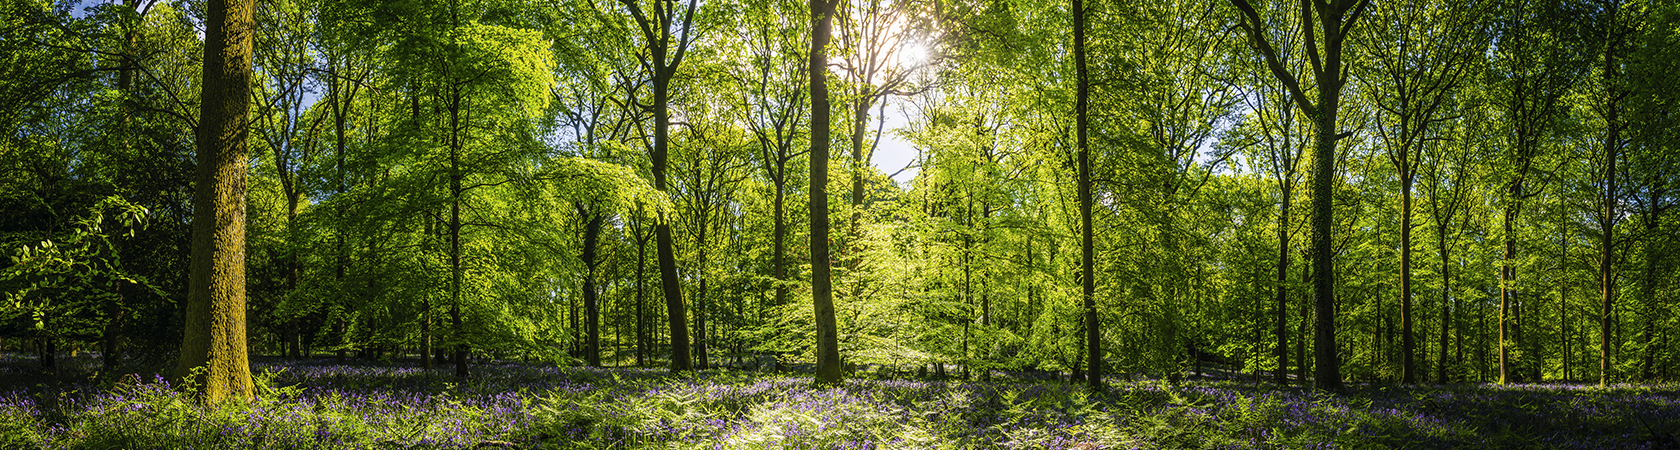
x=213 y=345
x=289 y=136
x=772 y=94
x=822 y=288
x=1087 y=261
x=665 y=55
x=1336 y=20
x=1420 y=52
x=1616 y=29
x=1534 y=65
x=1277 y=124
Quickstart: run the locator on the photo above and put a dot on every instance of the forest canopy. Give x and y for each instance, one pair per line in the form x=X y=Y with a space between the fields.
x=1327 y=190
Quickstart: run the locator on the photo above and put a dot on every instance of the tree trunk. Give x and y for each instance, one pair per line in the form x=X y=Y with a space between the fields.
x=114 y=311
x=426 y=351
x=1327 y=364
x=670 y=280
x=702 y=356
x=1087 y=264
x=456 y=197
x=822 y=290
x=1648 y=291
x=48 y=352
x=642 y=341
x=591 y=301
x=778 y=255
x=213 y=348
x=1446 y=291
x=1281 y=375
x=1507 y=271
x=1408 y=346
x=1607 y=222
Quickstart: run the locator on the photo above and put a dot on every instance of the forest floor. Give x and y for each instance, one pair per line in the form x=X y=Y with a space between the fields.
x=319 y=404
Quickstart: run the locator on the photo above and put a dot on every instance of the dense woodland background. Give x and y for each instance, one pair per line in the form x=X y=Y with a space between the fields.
x=435 y=180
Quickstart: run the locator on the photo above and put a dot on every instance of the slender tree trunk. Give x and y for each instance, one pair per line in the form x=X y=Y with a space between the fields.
x=702 y=355
x=822 y=290
x=1446 y=307
x=1280 y=376
x=114 y=310
x=1087 y=264
x=1304 y=324
x=591 y=301
x=1607 y=222
x=213 y=347
x=778 y=255
x=642 y=341
x=1648 y=293
x=640 y=303
x=341 y=256
x=49 y=352
x=426 y=351
x=1507 y=271
x=456 y=197
x=1408 y=346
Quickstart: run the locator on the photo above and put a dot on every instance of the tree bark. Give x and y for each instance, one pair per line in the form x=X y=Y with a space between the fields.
x=1607 y=222
x=591 y=302
x=822 y=290
x=1281 y=375
x=1446 y=291
x=642 y=338
x=1087 y=263
x=213 y=348
x=669 y=279
x=1408 y=347
x=702 y=356
x=1507 y=271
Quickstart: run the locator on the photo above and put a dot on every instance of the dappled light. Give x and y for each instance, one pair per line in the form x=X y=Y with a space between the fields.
x=839 y=224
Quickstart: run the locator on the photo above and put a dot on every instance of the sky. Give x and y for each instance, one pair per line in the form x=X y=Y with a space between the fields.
x=894 y=152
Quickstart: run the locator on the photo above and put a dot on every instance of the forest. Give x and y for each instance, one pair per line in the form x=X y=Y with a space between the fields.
x=635 y=214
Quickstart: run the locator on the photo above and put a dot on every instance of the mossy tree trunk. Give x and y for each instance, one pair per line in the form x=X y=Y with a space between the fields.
x=213 y=348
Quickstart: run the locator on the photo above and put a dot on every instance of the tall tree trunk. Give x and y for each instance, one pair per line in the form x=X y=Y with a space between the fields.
x=1648 y=292
x=642 y=341
x=669 y=279
x=778 y=255
x=1281 y=375
x=114 y=310
x=702 y=356
x=1327 y=364
x=1087 y=263
x=1607 y=222
x=456 y=196
x=341 y=256
x=213 y=347
x=1408 y=346
x=822 y=290
x=591 y=301
x=427 y=353
x=1507 y=271
x=1446 y=322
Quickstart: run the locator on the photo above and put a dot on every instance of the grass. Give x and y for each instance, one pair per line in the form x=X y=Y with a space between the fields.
x=315 y=404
